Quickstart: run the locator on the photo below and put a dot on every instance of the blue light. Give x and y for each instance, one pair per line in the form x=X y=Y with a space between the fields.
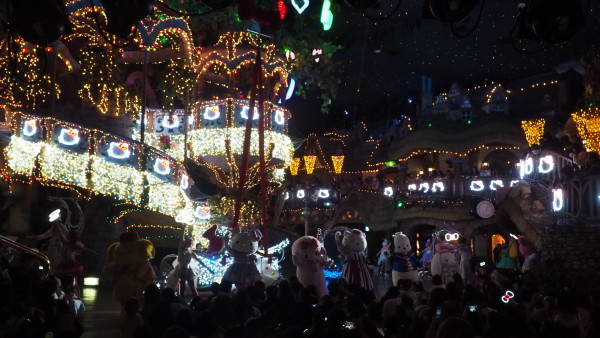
x=409 y=100
x=332 y=274
x=346 y=112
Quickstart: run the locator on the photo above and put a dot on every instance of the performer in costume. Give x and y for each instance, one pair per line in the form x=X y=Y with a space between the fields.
x=352 y=248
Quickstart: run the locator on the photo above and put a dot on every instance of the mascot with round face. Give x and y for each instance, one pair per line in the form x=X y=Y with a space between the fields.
x=130 y=266
x=351 y=246
x=242 y=247
x=444 y=261
x=404 y=261
x=309 y=257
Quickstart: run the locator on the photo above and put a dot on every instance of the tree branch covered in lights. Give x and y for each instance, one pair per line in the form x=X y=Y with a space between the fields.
x=177 y=84
x=588 y=127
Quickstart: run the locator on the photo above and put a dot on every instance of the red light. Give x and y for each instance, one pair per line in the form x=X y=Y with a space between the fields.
x=282 y=9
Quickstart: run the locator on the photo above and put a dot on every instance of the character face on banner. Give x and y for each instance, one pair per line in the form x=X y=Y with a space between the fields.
x=244 y=113
x=212 y=113
x=68 y=136
x=162 y=166
x=119 y=150
x=203 y=212
x=30 y=127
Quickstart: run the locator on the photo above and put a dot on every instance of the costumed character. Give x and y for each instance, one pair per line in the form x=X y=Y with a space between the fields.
x=404 y=262
x=352 y=249
x=528 y=252
x=505 y=263
x=444 y=262
x=464 y=266
x=242 y=247
x=427 y=254
x=130 y=266
x=383 y=257
x=310 y=257
x=69 y=270
x=186 y=271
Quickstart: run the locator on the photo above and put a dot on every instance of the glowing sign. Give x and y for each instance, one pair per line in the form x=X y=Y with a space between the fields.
x=279 y=117
x=557 y=199
x=424 y=187
x=526 y=167
x=30 y=127
x=496 y=183
x=388 y=191
x=68 y=137
x=323 y=193
x=162 y=167
x=437 y=186
x=300 y=193
x=412 y=187
x=477 y=185
x=119 y=150
x=244 y=113
x=300 y=8
x=507 y=296
x=287 y=195
x=546 y=164
x=212 y=113
x=513 y=183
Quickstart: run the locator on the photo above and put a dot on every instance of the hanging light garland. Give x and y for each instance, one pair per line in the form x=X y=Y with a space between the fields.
x=534 y=130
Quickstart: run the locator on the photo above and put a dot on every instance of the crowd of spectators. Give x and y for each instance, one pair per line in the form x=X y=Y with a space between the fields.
x=31 y=306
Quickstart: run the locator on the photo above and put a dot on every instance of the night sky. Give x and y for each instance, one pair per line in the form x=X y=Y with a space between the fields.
x=396 y=52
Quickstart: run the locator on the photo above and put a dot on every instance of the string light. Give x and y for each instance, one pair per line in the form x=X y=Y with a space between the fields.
x=534 y=130
x=338 y=163
x=309 y=163
x=588 y=127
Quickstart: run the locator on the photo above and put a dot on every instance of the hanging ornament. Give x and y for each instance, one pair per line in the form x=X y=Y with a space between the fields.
x=282 y=9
